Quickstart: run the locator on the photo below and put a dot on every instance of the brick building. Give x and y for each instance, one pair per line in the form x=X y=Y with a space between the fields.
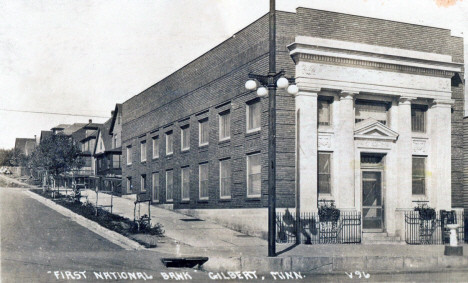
x=368 y=129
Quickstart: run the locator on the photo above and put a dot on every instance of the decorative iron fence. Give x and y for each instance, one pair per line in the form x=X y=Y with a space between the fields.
x=419 y=231
x=347 y=230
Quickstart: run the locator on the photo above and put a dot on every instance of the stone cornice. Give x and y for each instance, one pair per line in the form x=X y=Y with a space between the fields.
x=371 y=64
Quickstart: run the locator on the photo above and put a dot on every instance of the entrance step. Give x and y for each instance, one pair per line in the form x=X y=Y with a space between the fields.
x=380 y=238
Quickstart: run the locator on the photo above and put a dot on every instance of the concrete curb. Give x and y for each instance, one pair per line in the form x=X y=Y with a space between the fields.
x=112 y=236
x=327 y=265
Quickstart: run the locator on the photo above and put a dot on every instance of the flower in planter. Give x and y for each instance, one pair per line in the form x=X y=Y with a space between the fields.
x=327 y=211
x=425 y=212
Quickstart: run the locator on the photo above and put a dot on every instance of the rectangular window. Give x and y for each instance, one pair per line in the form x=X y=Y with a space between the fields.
x=169 y=143
x=185 y=138
x=169 y=184
x=129 y=184
x=324 y=173
x=324 y=111
x=129 y=155
x=203 y=176
x=143 y=183
x=418 y=118
x=253 y=116
x=254 y=170
x=155 y=180
x=143 y=151
x=365 y=109
x=419 y=176
x=116 y=161
x=225 y=125
x=204 y=131
x=225 y=178
x=185 y=181
x=156 y=147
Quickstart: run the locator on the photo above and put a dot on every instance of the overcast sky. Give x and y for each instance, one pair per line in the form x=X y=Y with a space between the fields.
x=83 y=57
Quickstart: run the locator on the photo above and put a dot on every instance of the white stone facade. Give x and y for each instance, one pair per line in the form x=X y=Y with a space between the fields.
x=347 y=72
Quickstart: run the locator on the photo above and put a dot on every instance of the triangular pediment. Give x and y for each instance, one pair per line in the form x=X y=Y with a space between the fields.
x=373 y=129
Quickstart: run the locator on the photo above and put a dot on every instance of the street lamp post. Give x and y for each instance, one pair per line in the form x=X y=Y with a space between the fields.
x=271 y=81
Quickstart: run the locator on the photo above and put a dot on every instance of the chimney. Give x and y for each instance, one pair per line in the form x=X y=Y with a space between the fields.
x=35 y=139
x=90 y=121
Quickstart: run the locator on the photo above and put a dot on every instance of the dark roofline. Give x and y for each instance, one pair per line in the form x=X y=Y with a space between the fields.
x=114 y=117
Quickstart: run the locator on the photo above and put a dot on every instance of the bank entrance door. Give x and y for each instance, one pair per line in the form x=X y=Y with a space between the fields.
x=372 y=208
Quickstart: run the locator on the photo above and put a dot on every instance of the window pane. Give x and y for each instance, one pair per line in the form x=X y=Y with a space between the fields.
x=254 y=116
x=323 y=112
x=254 y=174
x=143 y=151
x=129 y=155
x=169 y=143
x=419 y=178
x=169 y=189
x=225 y=178
x=204 y=132
x=203 y=180
x=143 y=183
x=155 y=147
x=365 y=109
x=418 y=118
x=185 y=183
x=225 y=125
x=324 y=175
x=155 y=186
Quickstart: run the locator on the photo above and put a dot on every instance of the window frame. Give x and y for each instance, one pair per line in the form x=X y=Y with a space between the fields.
x=424 y=109
x=155 y=141
x=221 y=178
x=143 y=183
x=387 y=105
x=169 y=142
x=171 y=184
x=330 y=173
x=248 y=110
x=155 y=186
x=185 y=171
x=329 y=100
x=254 y=195
x=129 y=155
x=206 y=124
x=129 y=184
x=143 y=151
x=424 y=177
x=184 y=133
x=222 y=115
x=205 y=165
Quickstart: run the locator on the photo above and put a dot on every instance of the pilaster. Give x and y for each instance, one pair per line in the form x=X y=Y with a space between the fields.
x=306 y=148
x=405 y=154
x=344 y=134
x=440 y=194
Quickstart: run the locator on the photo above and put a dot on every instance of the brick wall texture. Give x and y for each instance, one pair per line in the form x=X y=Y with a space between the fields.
x=214 y=83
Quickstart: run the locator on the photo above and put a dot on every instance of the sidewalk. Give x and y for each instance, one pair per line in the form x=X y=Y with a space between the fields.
x=231 y=250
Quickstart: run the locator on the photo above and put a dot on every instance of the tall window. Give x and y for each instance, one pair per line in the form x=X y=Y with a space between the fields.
x=203 y=177
x=419 y=177
x=418 y=118
x=156 y=147
x=323 y=111
x=129 y=184
x=225 y=125
x=377 y=110
x=225 y=178
x=129 y=155
x=185 y=180
x=169 y=143
x=185 y=138
x=324 y=173
x=254 y=170
x=203 y=135
x=169 y=185
x=253 y=116
x=143 y=151
x=155 y=180
x=143 y=183
x=116 y=161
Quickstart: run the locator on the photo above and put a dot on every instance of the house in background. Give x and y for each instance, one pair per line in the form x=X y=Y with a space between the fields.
x=108 y=160
x=87 y=144
x=376 y=126
x=25 y=146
